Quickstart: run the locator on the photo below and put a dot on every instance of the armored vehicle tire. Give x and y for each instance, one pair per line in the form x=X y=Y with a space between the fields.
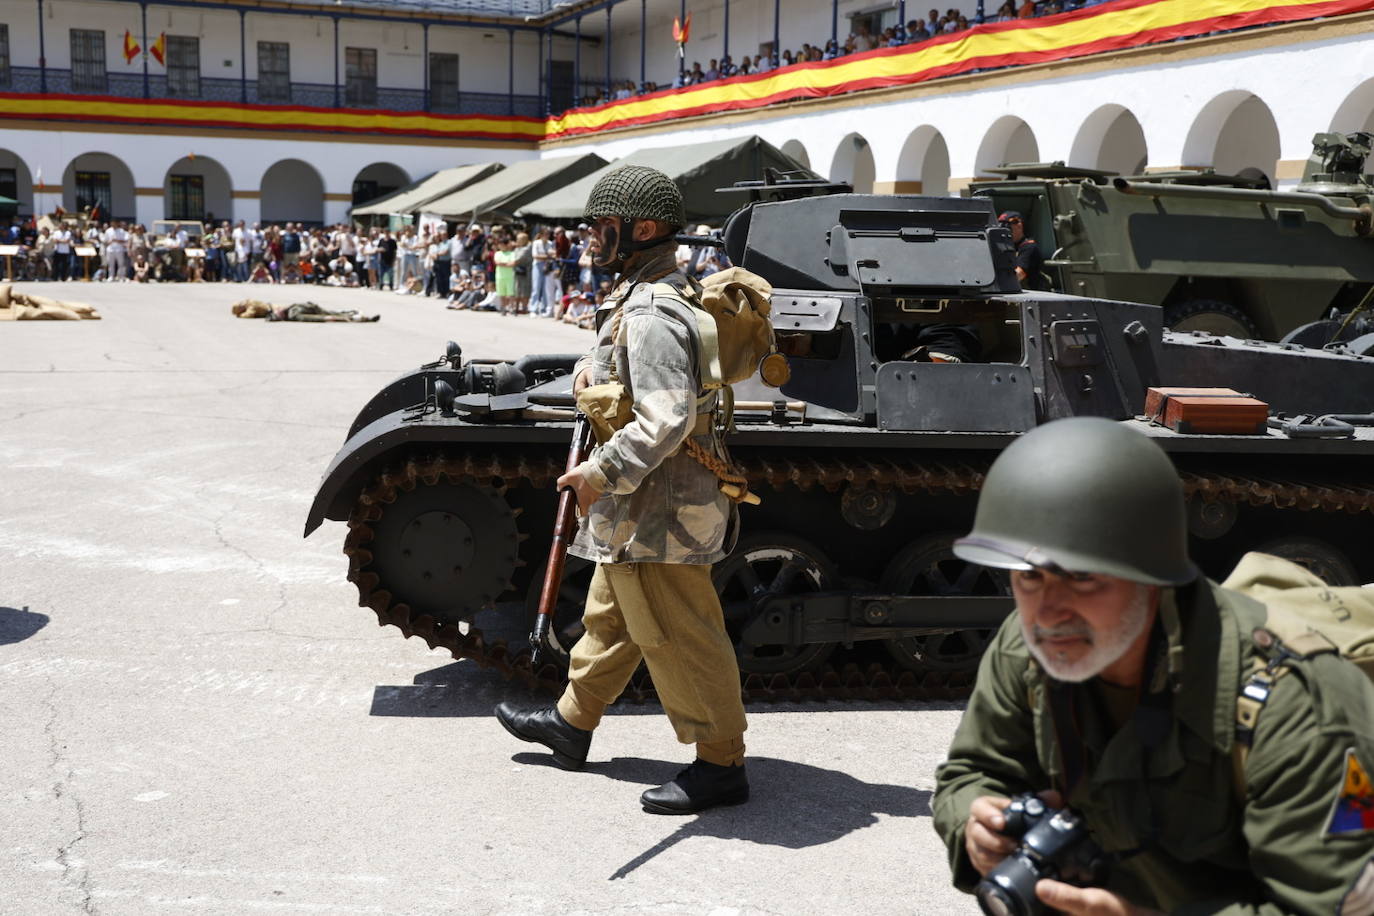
x=424 y=544
x=1212 y=316
x=763 y=565
x=1327 y=562
x=928 y=566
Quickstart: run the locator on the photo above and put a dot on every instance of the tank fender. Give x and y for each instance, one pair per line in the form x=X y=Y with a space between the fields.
x=404 y=391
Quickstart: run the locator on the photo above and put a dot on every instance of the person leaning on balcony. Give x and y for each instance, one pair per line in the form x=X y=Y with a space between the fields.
x=712 y=72
x=1026 y=10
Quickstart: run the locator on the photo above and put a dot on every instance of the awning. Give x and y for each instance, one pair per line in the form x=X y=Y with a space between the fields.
x=699 y=169
x=414 y=196
x=499 y=196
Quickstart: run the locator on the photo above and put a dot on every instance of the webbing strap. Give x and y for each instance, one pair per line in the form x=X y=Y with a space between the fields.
x=708 y=360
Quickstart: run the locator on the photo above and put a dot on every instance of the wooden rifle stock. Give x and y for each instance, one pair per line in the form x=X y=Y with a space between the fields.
x=564 y=527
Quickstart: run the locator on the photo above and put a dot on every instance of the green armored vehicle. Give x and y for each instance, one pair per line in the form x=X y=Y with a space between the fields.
x=1222 y=254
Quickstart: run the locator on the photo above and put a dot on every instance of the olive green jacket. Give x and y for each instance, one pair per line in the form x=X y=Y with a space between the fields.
x=658 y=505
x=1189 y=839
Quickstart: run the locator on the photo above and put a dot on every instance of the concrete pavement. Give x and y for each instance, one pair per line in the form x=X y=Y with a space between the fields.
x=198 y=718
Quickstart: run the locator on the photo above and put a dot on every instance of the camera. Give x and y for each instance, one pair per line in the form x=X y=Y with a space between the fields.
x=1054 y=844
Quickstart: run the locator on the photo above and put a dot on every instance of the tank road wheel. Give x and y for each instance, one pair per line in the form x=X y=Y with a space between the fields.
x=439 y=548
x=764 y=565
x=928 y=566
x=567 y=626
x=1328 y=563
x=1209 y=315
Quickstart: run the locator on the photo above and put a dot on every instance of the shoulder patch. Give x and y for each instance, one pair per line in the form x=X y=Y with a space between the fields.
x=1353 y=811
x=1359 y=900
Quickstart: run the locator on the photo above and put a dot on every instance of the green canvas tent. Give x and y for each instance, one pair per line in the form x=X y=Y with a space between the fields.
x=498 y=196
x=698 y=169
x=413 y=197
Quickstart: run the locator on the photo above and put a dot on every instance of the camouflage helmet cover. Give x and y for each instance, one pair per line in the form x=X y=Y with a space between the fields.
x=1083 y=495
x=637 y=192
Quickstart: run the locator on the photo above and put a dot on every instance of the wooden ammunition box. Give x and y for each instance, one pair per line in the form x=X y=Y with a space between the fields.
x=1207 y=411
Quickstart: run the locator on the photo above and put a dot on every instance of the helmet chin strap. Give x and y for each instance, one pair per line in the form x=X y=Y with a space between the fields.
x=620 y=240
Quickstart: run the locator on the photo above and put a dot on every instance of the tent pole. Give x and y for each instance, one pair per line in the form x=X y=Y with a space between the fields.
x=643 y=27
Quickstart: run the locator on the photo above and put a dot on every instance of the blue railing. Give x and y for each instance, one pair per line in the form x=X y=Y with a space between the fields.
x=314 y=95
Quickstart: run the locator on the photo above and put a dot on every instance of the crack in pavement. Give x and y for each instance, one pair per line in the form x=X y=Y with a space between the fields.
x=74 y=869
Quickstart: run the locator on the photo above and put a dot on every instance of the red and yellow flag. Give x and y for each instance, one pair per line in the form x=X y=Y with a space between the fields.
x=131 y=47
x=682 y=28
x=159 y=49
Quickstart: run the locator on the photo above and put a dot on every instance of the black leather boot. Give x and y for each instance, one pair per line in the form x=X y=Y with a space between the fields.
x=545 y=726
x=702 y=785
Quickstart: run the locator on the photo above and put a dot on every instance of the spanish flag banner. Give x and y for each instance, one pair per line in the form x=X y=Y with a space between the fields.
x=131 y=47
x=1114 y=26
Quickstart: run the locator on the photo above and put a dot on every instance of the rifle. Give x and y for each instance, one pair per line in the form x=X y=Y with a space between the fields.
x=564 y=525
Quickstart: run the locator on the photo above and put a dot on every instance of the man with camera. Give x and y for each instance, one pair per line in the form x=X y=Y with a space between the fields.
x=1119 y=692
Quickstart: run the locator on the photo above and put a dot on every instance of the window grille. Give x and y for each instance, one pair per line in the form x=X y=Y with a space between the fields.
x=188 y=197
x=274 y=71
x=443 y=82
x=4 y=55
x=183 y=66
x=88 y=60
x=93 y=189
x=361 y=70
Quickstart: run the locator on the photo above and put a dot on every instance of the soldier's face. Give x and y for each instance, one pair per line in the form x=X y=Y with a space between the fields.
x=1080 y=626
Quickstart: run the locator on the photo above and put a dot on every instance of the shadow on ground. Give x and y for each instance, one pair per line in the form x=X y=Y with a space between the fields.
x=792 y=805
x=18 y=624
x=462 y=689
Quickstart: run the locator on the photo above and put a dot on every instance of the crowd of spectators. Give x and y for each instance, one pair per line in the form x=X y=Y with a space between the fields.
x=545 y=272
x=915 y=31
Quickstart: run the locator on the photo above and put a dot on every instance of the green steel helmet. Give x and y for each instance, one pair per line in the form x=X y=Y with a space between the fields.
x=637 y=192
x=1083 y=495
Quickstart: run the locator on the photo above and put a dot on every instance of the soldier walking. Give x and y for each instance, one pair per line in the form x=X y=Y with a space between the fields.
x=653 y=519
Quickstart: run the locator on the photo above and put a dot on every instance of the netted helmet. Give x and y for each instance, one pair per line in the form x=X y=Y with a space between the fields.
x=1083 y=495
x=637 y=192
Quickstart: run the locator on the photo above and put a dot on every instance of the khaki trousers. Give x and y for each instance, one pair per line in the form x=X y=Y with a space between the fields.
x=668 y=614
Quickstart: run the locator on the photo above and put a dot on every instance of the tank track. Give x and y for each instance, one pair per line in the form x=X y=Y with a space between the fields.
x=873 y=682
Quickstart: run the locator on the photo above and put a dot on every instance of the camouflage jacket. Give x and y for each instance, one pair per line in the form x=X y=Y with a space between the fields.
x=1294 y=838
x=658 y=505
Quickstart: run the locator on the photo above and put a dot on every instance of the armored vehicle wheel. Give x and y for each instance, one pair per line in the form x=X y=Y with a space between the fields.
x=764 y=565
x=1329 y=563
x=928 y=566
x=423 y=544
x=567 y=626
x=1211 y=316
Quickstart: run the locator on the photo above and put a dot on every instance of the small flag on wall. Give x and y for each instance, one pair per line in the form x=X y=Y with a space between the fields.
x=159 y=49
x=131 y=47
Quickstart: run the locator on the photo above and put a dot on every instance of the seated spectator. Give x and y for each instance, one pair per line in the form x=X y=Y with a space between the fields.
x=1027 y=10
x=712 y=72
x=261 y=274
x=894 y=37
x=1006 y=12
x=787 y=58
x=745 y=66
x=578 y=309
x=727 y=67
x=141 y=269
x=342 y=272
x=696 y=75
x=916 y=31
x=832 y=50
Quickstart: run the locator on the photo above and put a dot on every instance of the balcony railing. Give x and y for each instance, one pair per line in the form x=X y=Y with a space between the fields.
x=313 y=95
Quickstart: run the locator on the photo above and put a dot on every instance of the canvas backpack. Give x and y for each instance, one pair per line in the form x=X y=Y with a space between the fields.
x=733 y=308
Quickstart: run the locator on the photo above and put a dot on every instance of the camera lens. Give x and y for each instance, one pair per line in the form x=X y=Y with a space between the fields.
x=994 y=902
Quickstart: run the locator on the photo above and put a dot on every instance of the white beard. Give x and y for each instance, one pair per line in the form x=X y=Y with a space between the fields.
x=1104 y=647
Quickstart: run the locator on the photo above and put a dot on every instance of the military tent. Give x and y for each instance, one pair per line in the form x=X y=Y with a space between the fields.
x=414 y=196
x=699 y=169
x=498 y=196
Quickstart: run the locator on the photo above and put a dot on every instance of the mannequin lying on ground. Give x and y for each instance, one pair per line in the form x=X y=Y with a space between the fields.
x=300 y=311
x=17 y=306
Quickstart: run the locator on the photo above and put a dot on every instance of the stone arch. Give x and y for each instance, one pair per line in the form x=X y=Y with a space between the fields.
x=923 y=164
x=1356 y=112
x=797 y=150
x=1111 y=139
x=216 y=193
x=377 y=179
x=1009 y=139
x=119 y=187
x=292 y=191
x=23 y=181
x=1233 y=133
x=853 y=162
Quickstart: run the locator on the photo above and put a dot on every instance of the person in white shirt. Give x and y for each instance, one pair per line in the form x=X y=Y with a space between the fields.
x=116 y=240
x=342 y=272
x=242 y=249
x=62 y=253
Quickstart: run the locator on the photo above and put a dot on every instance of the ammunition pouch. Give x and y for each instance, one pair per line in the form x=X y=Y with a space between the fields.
x=608 y=407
